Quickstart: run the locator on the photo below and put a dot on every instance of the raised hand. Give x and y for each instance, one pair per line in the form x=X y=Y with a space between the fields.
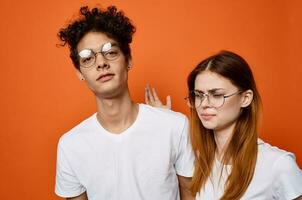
x=151 y=98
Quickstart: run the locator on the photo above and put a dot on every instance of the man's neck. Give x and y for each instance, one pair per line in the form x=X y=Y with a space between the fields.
x=117 y=114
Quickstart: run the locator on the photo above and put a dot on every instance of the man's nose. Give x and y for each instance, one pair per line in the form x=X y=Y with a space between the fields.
x=101 y=61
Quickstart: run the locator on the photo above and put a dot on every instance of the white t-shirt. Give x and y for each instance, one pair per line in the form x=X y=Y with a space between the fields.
x=141 y=163
x=277 y=176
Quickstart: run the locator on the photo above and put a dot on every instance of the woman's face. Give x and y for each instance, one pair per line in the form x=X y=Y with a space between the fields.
x=214 y=86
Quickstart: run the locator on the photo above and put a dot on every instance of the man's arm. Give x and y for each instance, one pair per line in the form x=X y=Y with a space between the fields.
x=81 y=197
x=184 y=188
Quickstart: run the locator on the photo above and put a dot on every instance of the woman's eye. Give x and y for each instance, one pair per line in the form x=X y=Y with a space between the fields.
x=198 y=95
x=217 y=95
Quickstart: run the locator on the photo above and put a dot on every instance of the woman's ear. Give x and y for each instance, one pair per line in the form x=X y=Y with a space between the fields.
x=247 y=98
x=80 y=75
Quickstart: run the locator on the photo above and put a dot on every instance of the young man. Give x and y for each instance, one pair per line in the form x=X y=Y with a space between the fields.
x=126 y=150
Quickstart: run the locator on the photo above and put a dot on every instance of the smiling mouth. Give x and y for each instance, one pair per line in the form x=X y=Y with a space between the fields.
x=105 y=77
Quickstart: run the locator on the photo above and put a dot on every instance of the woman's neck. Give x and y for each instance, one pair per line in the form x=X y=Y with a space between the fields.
x=222 y=139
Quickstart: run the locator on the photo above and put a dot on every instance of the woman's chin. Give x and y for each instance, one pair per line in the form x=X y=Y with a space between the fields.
x=209 y=125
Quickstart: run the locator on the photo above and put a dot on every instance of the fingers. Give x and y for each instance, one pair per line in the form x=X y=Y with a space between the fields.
x=152 y=99
x=150 y=95
x=168 y=102
x=147 y=101
x=154 y=94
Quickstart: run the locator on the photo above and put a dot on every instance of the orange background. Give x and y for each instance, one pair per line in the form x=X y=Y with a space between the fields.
x=41 y=97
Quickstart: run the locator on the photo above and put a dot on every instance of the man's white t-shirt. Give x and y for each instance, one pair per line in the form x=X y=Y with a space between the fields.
x=141 y=163
x=277 y=176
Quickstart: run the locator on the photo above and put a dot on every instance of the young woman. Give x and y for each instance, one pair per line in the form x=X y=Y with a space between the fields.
x=231 y=162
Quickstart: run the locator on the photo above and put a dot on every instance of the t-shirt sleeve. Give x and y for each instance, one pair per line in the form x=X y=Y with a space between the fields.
x=67 y=184
x=185 y=159
x=288 y=178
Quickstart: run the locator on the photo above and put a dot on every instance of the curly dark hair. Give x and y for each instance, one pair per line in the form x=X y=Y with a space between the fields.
x=111 y=22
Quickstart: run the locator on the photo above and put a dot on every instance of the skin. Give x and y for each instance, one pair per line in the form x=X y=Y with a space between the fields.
x=184 y=188
x=114 y=88
x=112 y=95
x=151 y=98
x=221 y=120
x=81 y=197
x=224 y=118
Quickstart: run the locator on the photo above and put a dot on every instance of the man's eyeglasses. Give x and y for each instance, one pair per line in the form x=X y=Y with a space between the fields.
x=110 y=51
x=196 y=97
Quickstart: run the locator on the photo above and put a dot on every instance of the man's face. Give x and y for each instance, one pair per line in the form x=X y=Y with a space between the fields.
x=107 y=75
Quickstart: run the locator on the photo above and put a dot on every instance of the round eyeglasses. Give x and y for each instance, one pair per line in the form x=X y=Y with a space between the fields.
x=110 y=51
x=196 y=97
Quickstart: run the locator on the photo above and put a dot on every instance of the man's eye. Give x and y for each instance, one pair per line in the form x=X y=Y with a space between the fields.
x=88 y=59
x=111 y=53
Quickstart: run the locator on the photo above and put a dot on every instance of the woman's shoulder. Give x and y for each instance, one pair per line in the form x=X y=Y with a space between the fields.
x=281 y=168
x=269 y=151
x=276 y=159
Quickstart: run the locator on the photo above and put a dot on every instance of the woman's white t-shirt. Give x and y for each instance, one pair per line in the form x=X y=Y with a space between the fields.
x=277 y=176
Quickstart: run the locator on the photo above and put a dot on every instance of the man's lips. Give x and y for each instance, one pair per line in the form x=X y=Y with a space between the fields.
x=105 y=77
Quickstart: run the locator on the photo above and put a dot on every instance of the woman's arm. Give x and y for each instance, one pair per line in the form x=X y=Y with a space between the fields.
x=151 y=98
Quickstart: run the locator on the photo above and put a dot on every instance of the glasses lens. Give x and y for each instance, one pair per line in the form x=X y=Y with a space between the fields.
x=86 y=58
x=193 y=100
x=198 y=98
x=112 y=54
x=216 y=100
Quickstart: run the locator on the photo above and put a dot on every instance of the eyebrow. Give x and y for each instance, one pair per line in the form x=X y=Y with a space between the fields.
x=113 y=44
x=211 y=90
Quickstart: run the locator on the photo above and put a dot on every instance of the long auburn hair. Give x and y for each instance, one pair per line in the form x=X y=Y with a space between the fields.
x=241 y=151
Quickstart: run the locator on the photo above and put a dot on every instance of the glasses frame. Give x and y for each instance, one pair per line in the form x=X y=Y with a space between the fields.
x=191 y=102
x=103 y=53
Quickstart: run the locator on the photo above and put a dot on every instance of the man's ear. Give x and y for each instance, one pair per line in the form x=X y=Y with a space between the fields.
x=80 y=75
x=247 y=98
x=129 y=66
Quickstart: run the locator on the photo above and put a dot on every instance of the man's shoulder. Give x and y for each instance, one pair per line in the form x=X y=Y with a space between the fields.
x=163 y=113
x=78 y=131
